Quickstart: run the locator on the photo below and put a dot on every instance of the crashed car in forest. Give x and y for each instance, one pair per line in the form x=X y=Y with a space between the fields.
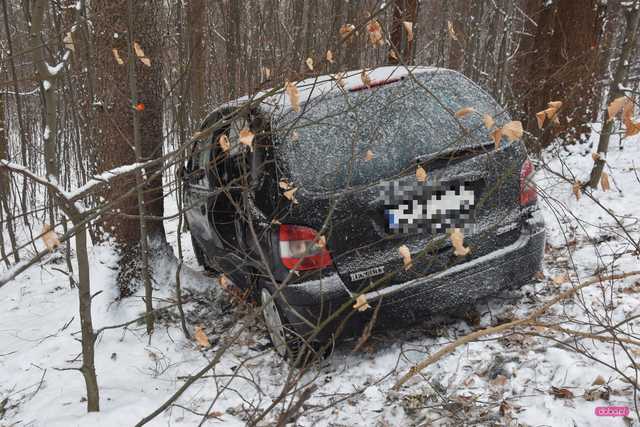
x=344 y=199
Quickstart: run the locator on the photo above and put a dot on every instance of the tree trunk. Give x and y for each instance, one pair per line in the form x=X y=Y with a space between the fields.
x=196 y=19
x=116 y=145
x=403 y=10
x=559 y=64
x=622 y=68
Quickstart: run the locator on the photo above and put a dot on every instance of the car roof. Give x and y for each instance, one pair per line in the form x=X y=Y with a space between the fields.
x=314 y=87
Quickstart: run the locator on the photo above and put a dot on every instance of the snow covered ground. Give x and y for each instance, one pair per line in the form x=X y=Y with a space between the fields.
x=500 y=380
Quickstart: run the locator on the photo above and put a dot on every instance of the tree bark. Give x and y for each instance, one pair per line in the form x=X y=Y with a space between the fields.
x=628 y=46
x=403 y=10
x=559 y=64
x=116 y=145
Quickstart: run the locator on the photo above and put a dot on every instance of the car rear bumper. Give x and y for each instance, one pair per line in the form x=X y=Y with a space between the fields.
x=512 y=266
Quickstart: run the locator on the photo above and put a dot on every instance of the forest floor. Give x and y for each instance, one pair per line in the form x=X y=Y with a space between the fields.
x=500 y=380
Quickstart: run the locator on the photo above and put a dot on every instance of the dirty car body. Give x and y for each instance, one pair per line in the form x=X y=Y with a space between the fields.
x=330 y=195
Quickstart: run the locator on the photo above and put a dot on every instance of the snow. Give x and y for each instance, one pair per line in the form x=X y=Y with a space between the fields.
x=39 y=324
x=55 y=69
x=46 y=84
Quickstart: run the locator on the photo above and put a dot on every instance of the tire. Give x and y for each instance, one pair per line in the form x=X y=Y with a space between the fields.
x=287 y=344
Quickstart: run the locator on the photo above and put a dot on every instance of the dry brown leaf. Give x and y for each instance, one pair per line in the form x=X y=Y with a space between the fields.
x=346 y=30
x=451 y=30
x=392 y=54
x=223 y=141
x=560 y=278
x=290 y=194
x=368 y=156
x=604 y=181
x=322 y=241
x=246 y=137
x=555 y=104
x=50 y=238
x=140 y=54
x=339 y=78
x=421 y=174
x=615 y=106
x=361 y=303
x=284 y=184
x=224 y=282
x=408 y=27
x=329 y=56
x=551 y=113
x=488 y=121
x=68 y=42
x=309 y=62
x=457 y=240
x=117 y=56
x=627 y=110
x=375 y=33
x=497 y=136
x=464 y=111
x=562 y=393
x=364 y=77
x=405 y=253
x=201 y=338
x=599 y=380
x=499 y=380
x=632 y=129
x=293 y=94
x=513 y=130
x=215 y=414
x=596 y=156
x=539 y=275
x=540 y=116
x=577 y=189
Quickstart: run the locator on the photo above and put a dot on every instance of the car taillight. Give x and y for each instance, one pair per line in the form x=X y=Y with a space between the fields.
x=300 y=248
x=528 y=193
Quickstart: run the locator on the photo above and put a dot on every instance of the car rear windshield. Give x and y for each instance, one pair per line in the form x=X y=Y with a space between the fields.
x=361 y=137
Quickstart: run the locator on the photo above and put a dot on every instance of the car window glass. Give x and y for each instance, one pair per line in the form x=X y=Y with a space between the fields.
x=398 y=123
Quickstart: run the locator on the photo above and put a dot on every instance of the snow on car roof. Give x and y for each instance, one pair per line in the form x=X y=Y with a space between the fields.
x=321 y=85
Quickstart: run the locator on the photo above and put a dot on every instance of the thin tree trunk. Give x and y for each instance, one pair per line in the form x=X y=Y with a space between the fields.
x=630 y=39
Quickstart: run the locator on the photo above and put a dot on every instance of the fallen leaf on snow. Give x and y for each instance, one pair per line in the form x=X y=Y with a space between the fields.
x=201 y=338
x=562 y=393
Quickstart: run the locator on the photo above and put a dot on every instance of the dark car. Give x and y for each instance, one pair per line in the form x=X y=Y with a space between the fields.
x=342 y=209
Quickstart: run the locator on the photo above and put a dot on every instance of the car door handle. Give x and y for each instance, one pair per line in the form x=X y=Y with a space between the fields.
x=203 y=210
